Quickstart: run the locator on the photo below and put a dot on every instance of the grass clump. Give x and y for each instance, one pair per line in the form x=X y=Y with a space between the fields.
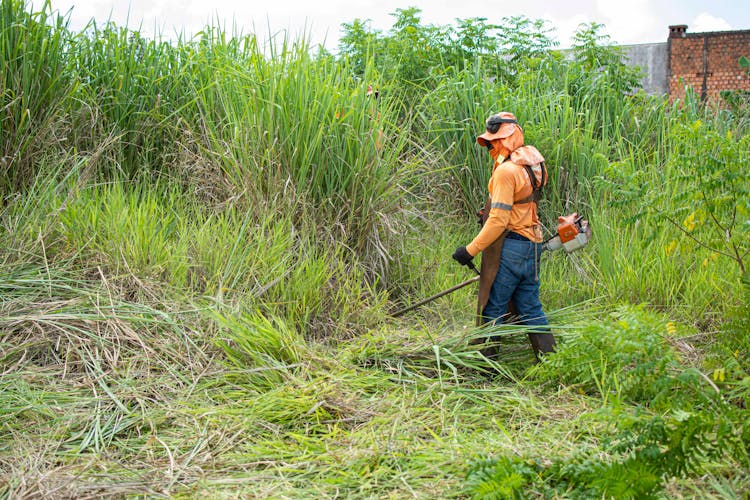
x=261 y=345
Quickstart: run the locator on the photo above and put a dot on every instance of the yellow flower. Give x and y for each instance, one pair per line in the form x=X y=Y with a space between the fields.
x=671 y=328
x=719 y=375
x=670 y=247
x=711 y=258
x=689 y=222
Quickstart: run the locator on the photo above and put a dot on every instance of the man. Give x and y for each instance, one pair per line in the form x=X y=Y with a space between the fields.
x=511 y=237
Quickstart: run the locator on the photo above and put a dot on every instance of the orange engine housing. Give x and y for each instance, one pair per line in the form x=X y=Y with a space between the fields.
x=567 y=228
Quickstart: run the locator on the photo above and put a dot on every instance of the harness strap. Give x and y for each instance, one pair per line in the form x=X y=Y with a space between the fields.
x=536 y=189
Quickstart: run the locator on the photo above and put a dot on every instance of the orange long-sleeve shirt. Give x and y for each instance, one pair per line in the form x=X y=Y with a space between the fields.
x=509 y=183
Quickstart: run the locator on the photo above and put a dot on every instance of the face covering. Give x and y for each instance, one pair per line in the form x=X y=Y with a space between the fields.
x=498 y=150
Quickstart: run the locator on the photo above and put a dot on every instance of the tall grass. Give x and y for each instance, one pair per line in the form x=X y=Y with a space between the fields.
x=580 y=123
x=133 y=90
x=598 y=143
x=35 y=88
x=199 y=261
x=289 y=131
x=453 y=115
x=161 y=242
x=293 y=134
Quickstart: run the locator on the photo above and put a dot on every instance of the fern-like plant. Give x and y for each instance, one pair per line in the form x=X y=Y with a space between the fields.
x=498 y=478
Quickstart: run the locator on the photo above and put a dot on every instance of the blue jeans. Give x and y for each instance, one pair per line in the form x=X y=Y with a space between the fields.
x=517 y=279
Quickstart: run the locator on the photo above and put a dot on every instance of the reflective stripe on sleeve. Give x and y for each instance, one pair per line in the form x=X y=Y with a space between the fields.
x=502 y=206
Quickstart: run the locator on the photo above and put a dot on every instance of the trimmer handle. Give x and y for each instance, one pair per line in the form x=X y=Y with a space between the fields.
x=472 y=266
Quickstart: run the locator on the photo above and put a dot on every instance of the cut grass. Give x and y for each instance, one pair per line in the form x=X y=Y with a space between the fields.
x=396 y=412
x=89 y=403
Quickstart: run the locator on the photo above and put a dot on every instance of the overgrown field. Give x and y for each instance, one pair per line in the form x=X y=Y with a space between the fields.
x=203 y=243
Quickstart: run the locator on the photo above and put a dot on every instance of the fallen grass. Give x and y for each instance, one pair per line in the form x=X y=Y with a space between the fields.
x=396 y=413
x=104 y=396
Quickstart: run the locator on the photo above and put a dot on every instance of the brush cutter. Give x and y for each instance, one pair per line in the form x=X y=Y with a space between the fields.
x=573 y=233
x=444 y=292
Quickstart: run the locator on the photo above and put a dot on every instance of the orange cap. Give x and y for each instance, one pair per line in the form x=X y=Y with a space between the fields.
x=499 y=126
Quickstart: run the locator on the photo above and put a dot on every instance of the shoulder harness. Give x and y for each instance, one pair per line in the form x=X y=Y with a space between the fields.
x=536 y=187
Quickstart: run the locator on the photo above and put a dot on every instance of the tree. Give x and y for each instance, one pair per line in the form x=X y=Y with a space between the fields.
x=358 y=44
x=708 y=197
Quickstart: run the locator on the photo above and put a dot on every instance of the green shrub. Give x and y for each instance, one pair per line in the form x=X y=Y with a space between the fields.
x=634 y=461
x=627 y=358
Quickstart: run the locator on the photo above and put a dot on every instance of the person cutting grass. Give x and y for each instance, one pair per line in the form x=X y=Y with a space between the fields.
x=510 y=239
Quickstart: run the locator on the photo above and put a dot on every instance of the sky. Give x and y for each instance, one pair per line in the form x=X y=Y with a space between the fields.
x=626 y=21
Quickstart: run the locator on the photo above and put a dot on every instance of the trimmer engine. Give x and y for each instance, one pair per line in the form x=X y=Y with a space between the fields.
x=573 y=232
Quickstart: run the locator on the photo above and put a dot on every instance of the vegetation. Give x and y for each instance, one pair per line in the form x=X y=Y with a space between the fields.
x=203 y=240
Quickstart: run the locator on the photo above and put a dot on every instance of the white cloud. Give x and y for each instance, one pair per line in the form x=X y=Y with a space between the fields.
x=566 y=27
x=628 y=21
x=706 y=22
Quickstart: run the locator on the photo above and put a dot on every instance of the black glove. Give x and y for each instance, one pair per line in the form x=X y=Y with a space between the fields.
x=462 y=256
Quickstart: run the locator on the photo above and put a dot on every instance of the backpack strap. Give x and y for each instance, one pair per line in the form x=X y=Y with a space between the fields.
x=536 y=188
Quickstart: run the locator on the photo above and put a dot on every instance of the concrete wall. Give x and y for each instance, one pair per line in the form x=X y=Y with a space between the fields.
x=653 y=59
x=708 y=62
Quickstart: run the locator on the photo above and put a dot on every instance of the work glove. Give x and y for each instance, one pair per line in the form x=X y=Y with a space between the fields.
x=462 y=256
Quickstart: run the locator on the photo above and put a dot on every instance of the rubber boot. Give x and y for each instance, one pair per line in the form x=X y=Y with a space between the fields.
x=542 y=343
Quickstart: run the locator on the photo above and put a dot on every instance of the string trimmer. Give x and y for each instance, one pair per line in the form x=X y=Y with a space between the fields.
x=573 y=233
x=444 y=292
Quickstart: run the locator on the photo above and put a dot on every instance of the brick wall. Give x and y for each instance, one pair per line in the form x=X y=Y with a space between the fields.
x=708 y=62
